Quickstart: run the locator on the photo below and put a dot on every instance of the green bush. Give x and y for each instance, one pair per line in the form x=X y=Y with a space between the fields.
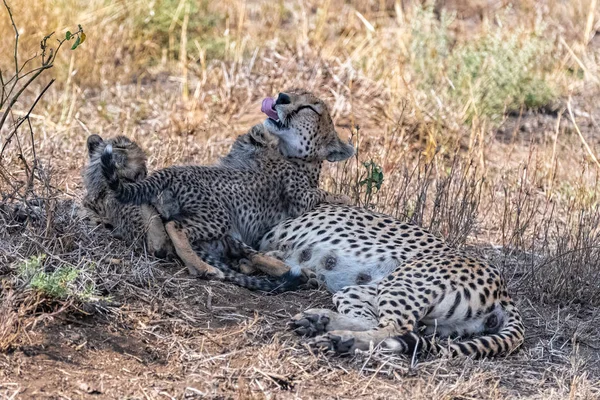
x=60 y=283
x=498 y=71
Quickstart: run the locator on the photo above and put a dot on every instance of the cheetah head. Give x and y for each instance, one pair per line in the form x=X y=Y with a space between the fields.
x=130 y=160
x=302 y=123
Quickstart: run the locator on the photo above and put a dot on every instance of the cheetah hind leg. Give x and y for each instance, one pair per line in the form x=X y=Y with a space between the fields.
x=355 y=313
x=307 y=278
x=390 y=326
x=184 y=250
x=157 y=239
x=265 y=263
x=247 y=267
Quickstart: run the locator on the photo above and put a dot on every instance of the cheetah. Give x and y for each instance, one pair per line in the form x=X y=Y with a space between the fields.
x=133 y=224
x=226 y=208
x=396 y=286
x=102 y=208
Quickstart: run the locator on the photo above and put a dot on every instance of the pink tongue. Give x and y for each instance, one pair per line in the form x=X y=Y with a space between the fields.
x=267 y=108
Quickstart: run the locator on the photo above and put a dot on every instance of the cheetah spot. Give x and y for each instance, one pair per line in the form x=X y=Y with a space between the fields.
x=305 y=255
x=329 y=262
x=363 y=278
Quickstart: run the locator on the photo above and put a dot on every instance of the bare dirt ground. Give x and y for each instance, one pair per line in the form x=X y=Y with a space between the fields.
x=210 y=340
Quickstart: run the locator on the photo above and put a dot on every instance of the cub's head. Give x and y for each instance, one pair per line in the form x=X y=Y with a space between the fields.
x=302 y=123
x=129 y=158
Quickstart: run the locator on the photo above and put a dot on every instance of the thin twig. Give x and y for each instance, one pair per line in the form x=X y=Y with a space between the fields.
x=24 y=118
x=12 y=21
x=587 y=147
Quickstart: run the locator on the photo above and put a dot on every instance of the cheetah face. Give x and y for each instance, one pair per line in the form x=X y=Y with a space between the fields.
x=304 y=127
x=130 y=159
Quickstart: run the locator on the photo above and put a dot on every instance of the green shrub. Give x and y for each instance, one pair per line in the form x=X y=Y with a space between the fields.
x=500 y=70
x=60 y=283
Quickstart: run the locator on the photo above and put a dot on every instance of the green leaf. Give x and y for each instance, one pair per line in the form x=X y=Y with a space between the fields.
x=68 y=35
x=77 y=42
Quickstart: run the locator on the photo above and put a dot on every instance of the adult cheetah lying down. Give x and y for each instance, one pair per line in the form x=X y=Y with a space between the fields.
x=396 y=286
x=226 y=208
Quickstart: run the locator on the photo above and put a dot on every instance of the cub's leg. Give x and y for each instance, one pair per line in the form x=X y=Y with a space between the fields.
x=184 y=250
x=266 y=263
x=193 y=222
x=157 y=240
x=356 y=307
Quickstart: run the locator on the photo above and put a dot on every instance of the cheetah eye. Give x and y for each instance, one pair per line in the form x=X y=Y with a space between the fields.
x=307 y=106
x=491 y=322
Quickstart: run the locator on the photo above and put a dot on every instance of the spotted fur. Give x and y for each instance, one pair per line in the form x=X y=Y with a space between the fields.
x=396 y=286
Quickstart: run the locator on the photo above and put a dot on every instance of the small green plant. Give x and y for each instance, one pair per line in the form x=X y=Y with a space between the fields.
x=371 y=180
x=60 y=283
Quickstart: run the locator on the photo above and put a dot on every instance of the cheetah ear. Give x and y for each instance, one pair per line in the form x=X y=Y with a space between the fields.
x=257 y=135
x=339 y=151
x=93 y=141
x=260 y=137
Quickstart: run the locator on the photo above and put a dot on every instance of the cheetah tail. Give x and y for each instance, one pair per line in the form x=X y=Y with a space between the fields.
x=126 y=192
x=109 y=169
x=504 y=342
x=284 y=283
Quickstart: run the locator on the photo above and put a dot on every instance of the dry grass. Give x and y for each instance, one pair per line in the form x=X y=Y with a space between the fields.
x=464 y=107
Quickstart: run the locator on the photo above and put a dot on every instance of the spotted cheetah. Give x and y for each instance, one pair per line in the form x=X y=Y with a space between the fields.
x=226 y=208
x=133 y=224
x=396 y=286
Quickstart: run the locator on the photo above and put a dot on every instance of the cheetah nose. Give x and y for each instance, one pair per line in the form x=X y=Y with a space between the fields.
x=283 y=99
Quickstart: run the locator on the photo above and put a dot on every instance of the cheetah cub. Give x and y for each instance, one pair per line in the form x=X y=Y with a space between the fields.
x=226 y=208
x=133 y=224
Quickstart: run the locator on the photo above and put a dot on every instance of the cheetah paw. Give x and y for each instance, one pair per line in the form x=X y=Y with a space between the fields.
x=341 y=344
x=309 y=280
x=338 y=199
x=215 y=274
x=308 y=324
x=246 y=267
x=210 y=274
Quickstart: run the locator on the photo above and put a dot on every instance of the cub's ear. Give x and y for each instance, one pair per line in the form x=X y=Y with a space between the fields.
x=339 y=151
x=260 y=136
x=93 y=141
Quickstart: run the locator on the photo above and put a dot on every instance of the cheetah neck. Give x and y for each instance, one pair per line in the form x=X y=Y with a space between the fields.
x=312 y=169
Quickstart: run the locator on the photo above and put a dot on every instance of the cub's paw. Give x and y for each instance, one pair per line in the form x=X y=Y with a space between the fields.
x=338 y=199
x=246 y=267
x=310 y=323
x=206 y=273
x=215 y=274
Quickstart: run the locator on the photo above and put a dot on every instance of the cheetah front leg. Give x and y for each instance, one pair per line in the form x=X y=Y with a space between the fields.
x=397 y=316
x=184 y=250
